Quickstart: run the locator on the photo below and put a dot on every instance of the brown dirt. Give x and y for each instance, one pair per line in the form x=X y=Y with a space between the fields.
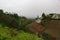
x=54 y=28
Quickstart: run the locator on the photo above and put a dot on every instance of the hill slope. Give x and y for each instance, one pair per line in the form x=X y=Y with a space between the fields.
x=54 y=28
x=12 y=34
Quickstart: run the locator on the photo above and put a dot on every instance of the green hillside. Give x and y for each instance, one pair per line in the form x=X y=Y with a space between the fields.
x=11 y=34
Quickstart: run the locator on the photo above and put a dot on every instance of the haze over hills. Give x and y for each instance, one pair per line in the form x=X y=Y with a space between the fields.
x=30 y=8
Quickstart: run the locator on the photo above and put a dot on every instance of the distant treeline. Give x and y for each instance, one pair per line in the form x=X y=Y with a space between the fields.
x=14 y=21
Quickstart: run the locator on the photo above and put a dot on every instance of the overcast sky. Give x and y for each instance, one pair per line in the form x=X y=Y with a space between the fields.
x=31 y=8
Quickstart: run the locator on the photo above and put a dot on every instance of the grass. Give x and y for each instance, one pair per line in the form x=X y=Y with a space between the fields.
x=11 y=34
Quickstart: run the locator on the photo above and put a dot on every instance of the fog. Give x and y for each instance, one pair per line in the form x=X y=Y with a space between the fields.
x=30 y=8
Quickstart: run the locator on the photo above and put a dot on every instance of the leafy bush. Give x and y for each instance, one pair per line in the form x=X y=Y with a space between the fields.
x=44 y=22
x=46 y=36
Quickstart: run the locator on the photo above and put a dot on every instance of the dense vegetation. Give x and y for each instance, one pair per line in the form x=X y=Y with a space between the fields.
x=7 y=33
x=14 y=27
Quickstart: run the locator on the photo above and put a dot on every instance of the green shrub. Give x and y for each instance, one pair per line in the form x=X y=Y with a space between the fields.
x=5 y=34
x=46 y=36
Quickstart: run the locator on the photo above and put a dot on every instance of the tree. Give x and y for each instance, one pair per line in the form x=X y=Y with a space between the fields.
x=9 y=20
x=15 y=15
x=22 y=22
x=1 y=11
x=43 y=16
